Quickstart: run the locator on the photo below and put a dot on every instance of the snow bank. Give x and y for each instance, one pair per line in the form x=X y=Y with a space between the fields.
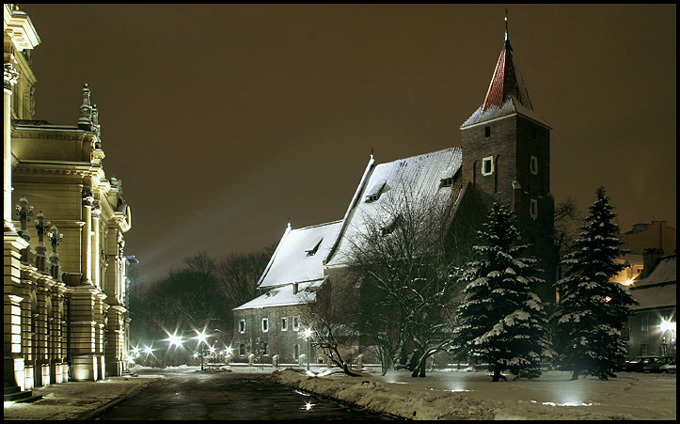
x=461 y=395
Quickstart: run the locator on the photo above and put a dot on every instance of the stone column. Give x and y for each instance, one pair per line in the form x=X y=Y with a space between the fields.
x=10 y=78
x=96 y=213
x=86 y=252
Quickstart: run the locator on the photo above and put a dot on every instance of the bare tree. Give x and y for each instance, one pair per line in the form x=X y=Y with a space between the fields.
x=331 y=312
x=403 y=257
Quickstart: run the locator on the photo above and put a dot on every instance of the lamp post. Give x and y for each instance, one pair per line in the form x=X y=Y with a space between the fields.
x=308 y=335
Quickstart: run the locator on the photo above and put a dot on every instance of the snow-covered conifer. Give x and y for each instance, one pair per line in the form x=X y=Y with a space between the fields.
x=502 y=318
x=591 y=311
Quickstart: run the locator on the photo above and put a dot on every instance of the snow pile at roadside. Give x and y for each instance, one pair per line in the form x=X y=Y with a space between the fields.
x=471 y=395
x=72 y=400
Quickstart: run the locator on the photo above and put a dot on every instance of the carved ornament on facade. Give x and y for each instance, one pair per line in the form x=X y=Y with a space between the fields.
x=42 y=227
x=11 y=76
x=55 y=240
x=88 y=198
x=24 y=212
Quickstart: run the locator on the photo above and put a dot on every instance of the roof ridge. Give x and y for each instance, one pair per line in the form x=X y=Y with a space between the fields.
x=317 y=225
x=452 y=148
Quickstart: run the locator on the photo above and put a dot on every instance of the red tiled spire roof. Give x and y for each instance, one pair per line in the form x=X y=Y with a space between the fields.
x=507 y=81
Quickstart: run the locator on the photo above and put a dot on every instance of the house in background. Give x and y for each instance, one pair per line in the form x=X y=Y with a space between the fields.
x=652 y=327
x=271 y=324
x=657 y=235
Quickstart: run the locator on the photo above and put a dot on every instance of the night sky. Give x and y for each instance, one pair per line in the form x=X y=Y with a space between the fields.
x=226 y=121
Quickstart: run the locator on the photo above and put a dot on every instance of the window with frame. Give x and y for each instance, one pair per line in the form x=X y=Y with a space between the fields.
x=242 y=349
x=533 y=166
x=644 y=349
x=242 y=326
x=533 y=209
x=265 y=325
x=284 y=324
x=644 y=323
x=487 y=165
x=296 y=323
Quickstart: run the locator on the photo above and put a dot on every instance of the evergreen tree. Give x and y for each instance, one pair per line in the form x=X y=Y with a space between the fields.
x=592 y=309
x=502 y=318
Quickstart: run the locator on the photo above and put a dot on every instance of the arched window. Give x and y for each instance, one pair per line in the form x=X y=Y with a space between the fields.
x=296 y=351
x=242 y=349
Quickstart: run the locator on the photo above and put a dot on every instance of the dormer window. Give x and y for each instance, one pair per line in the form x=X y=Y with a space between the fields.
x=446 y=182
x=375 y=191
x=534 y=165
x=313 y=250
x=391 y=226
x=487 y=166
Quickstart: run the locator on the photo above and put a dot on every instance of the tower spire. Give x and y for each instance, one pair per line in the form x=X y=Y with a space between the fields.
x=506 y=24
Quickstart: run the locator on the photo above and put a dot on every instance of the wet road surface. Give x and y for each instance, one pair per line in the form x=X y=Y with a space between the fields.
x=228 y=396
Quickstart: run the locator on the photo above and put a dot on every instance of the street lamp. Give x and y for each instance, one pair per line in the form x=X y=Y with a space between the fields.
x=308 y=335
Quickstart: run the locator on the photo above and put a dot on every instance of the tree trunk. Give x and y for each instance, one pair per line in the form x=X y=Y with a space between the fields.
x=347 y=371
x=574 y=376
x=496 y=372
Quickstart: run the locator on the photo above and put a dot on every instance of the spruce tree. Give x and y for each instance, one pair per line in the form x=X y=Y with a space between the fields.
x=502 y=319
x=591 y=311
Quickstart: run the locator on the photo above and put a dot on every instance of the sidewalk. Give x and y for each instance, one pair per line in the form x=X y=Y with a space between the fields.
x=77 y=400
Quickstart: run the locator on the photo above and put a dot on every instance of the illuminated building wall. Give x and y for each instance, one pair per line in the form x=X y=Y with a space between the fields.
x=65 y=284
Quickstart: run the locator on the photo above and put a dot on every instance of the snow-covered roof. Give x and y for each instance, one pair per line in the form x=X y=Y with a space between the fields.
x=284 y=296
x=655 y=297
x=658 y=289
x=511 y=106
x=664 y=272
x=299 y=256
x=423 y=174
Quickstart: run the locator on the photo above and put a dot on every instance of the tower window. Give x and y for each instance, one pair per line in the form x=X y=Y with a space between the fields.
x=296 y=323
x=284 y=324
x=487 y=165
x=242 y=326
x=534 y=165
x=487 y=131
x=533 y=209
x=265 y=325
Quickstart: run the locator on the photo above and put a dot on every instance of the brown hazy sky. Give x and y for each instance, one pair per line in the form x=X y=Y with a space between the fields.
x=224 y=121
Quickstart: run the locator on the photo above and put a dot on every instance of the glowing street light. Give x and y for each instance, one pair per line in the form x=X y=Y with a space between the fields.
x=148 y=350
x=307 y=334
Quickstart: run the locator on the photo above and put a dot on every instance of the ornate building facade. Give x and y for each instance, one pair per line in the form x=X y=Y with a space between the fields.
x=65 y=310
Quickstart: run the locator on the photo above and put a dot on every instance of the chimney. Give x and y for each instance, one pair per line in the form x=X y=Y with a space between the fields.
x=650 y=257
x=295 y=288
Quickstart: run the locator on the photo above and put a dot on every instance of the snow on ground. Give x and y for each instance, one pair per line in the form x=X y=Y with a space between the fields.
x=462 y=395
x=74 y=400
x=449 y=394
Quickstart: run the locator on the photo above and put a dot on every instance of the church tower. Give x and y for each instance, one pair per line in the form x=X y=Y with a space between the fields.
x=506 y=157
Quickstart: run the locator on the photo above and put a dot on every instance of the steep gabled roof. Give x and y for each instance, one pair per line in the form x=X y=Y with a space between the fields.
x=421 y=174
x=299 y=256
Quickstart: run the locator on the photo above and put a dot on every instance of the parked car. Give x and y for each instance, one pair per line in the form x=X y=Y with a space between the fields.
x=638 y=363
x=664 y=364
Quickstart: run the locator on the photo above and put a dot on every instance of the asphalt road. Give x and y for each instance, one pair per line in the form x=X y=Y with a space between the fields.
x=191 y=395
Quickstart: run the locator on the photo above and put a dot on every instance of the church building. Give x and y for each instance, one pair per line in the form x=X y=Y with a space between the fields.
x=504 y=156
x=65 y=309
